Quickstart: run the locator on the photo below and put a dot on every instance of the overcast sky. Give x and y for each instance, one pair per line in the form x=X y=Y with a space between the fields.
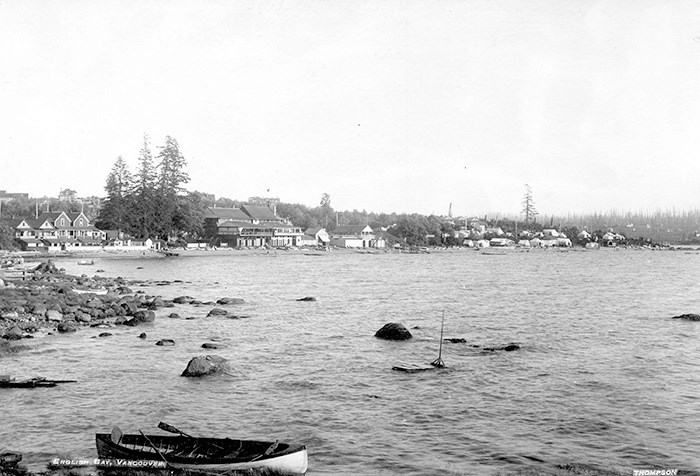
x=402 y=106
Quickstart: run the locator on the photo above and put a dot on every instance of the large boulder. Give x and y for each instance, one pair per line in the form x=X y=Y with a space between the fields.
x=688 y=317
x=145 y=316
x=166 y=342
x=206 y=365
x=393 y=331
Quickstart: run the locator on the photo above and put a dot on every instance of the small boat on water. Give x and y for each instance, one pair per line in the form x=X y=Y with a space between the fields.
x=36 y=382
x=85 y=261
x=206 y=454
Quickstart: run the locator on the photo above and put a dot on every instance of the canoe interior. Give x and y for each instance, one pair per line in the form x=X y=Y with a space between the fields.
x=188 y=450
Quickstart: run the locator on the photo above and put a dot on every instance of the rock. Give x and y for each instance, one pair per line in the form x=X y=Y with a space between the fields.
x=217 y=312
x=183 y=300
x=228 y=300
x=130 y=308
x=2 y=283
x=307 y=298
x=13 y=333
x=507 y=348
x=205 y=365
x=156 y=303
x=688 y=317
x=39 y=310
x=53 y=315
x=123 y=290
x=9 y=315
x=166 y=342
x=393 y=331
x=47 y=268
x=120 y=320
x=145 y=316
x=83 y=317
x=456 y=340
x=210 y=345
x=104 y=334
x=142 y=335
x=66 y=327
x=174 y=315
x=95 y=303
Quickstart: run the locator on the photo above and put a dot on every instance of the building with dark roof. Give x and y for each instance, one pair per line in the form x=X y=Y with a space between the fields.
x=250 y=226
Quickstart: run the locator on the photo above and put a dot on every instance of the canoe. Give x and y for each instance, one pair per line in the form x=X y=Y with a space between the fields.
x=205 y=454
x=35 y=382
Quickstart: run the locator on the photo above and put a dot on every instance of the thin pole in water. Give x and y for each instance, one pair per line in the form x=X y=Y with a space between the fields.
x=439 y=362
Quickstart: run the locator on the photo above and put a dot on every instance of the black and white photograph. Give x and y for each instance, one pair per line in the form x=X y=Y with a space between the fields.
x=324 y=237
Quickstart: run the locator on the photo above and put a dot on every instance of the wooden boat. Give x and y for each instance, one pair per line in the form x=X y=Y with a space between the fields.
x=10 y=382
x=206 y=454
x=86 y=261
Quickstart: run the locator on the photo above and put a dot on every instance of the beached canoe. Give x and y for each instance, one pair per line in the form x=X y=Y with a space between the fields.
x=206 y=454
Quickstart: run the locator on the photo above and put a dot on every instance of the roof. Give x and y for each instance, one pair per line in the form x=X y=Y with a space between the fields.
x=313 y=231
x=226 y=214
x=350 y=229
x=260 y=213
x=244 y=224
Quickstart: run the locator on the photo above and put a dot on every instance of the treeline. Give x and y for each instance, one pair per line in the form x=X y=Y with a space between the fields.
x=152 y=202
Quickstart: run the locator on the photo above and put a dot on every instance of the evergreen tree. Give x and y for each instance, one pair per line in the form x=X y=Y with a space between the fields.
x=143 y=199
x=169 y=187
x=114 y=213
x=528 y=205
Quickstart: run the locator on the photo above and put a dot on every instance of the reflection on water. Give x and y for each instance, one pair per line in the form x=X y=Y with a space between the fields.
x=603 y=376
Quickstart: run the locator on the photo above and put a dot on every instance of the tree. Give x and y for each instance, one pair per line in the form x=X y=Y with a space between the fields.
x=326 y=209
x=169 y=187
x=142 y=200
x=6 y=237
x=528 y=205
x=115 y=209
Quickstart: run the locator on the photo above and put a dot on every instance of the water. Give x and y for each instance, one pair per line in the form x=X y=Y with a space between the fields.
x=603 y=376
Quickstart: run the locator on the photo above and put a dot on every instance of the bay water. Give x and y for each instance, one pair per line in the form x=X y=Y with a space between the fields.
x=603 y=377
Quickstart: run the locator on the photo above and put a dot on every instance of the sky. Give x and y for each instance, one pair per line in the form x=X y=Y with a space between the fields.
x=392 y=106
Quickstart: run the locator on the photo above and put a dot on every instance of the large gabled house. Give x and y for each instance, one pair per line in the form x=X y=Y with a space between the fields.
x=53 y=231
x=250 y=226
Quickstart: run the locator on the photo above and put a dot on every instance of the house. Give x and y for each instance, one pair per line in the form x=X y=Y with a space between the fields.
x=316 y=236
x=250 y=226
x=54 y=231
x=354 y=236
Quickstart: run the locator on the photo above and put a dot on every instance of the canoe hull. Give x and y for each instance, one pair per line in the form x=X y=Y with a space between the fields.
x=292 y=460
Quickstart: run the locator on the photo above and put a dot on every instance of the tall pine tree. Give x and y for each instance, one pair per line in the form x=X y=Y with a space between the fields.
x=114 y=213
x=170 y=189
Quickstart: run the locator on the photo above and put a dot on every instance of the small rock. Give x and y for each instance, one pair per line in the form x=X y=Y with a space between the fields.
x=174 y=315
x=307 y=298
x=456 y=340
x=14 y=333
x=66 y=327
x=688 y=317
x=104 y=334
x=183 y=300
x=228 y=300
x=142 y=335
x=217 y=312
x=166 y=342
x=210 y=345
